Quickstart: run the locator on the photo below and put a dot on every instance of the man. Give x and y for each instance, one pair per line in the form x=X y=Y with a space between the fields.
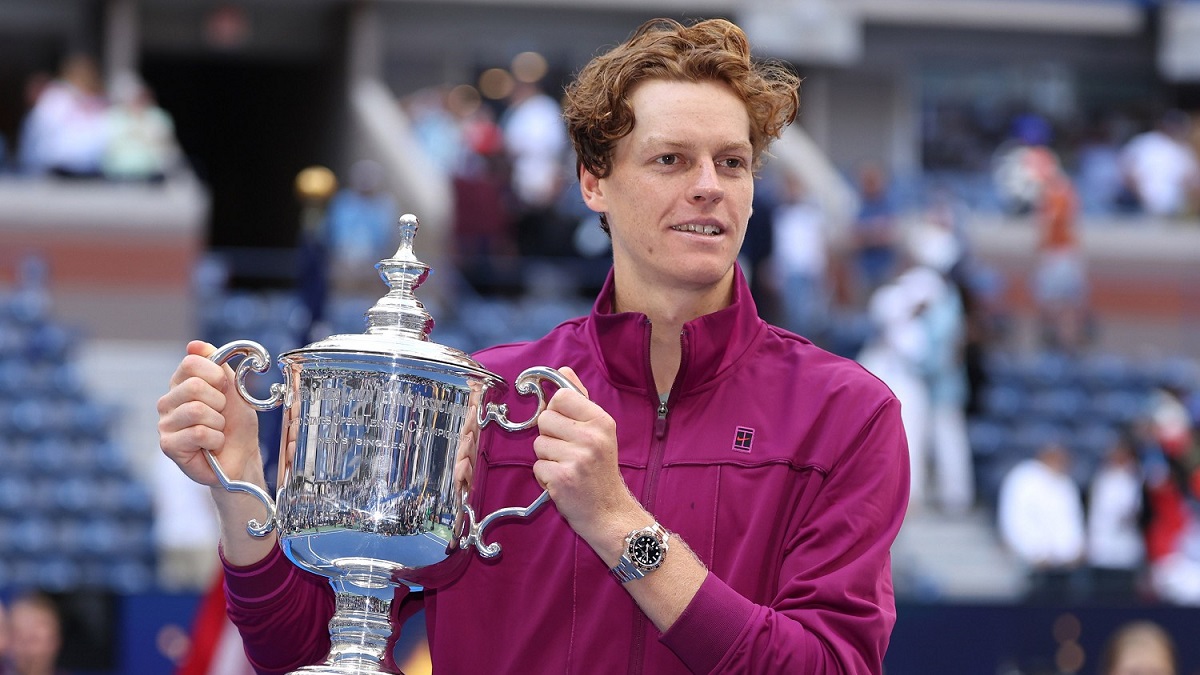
x=1039 y=513
x=771 y=476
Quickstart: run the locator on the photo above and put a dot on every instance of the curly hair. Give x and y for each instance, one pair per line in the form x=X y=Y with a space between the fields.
x=596 y=105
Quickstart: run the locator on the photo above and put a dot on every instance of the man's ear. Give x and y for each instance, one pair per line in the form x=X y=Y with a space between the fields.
x=592 y=191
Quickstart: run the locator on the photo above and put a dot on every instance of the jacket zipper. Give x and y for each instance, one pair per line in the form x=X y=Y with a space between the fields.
x=637 y=655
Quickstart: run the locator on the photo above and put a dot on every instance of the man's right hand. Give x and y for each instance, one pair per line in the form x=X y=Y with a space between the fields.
x=202 y=410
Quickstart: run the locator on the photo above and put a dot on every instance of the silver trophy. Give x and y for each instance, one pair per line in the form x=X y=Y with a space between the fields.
x=376 y=459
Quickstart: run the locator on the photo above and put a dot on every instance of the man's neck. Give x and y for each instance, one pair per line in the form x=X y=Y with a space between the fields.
x=668 y=312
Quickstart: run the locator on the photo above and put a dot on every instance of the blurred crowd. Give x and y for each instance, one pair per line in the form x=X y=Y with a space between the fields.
x=897 y=287
x=1130 y=533
x=78 y=127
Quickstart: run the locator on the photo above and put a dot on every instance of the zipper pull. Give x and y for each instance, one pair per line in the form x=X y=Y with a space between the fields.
x=660 y=424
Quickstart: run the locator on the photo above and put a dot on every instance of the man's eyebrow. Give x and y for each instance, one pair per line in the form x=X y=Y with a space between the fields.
x=687 y=144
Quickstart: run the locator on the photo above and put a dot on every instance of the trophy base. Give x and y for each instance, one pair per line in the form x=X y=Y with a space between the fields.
x=364 y=669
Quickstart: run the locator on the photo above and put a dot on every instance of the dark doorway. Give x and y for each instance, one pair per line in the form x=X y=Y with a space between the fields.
x=248 y=127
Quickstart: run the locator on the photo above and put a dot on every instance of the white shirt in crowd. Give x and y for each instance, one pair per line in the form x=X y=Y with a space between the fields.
x=1041 y=515
x=1115 y=501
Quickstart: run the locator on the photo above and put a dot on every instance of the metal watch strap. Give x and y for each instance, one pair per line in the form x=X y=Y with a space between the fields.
x=626 y=570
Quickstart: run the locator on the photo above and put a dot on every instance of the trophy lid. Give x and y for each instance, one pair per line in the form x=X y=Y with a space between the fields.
x=398 y=325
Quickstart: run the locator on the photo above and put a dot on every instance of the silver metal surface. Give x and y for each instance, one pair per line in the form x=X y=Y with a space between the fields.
x=376 y=458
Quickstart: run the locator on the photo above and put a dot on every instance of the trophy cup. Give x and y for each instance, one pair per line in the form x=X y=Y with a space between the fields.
x=376 y=458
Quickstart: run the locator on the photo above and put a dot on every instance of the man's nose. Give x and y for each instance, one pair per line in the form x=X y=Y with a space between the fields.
x=708 y=185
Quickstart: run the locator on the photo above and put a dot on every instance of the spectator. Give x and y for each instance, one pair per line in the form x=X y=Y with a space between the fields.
x=536 y=141
x=799 y=259
x=1040 y=517
x=67 y=129
x=1024 y=163
x=1060 y=286
x=141 y=135
x=1102 y=187
x=943 y=370
x=875 y=237
x=435 y=127
x=36 y=635
x=28 y=155
x=894 y=353
x=1139 y=648
x=1116 y=549
x=485 y=247
x=1172 y=462
x=1161 y=167
x=360 y=226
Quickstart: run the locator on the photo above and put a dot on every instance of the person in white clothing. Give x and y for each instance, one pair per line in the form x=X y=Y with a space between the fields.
x=1161 y=168
x=67 y=128
x=1040 y=517
x=942 y=320
x=799 y=260
x=1116 y=548
x=894 y=354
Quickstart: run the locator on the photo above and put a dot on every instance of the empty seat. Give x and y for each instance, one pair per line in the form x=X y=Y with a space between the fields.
x=988 y=437
x=1061 y=405
x=1118 y=407
x=1004 y=402
x=1105 y=372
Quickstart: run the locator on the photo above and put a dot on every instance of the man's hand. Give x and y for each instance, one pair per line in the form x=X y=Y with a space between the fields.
x=203 y=410
x=577 y=464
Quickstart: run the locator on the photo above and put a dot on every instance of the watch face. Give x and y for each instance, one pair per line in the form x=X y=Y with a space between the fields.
x=646 y=551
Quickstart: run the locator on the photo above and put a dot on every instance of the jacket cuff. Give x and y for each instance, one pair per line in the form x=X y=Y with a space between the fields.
x=258 y=584
x=709 y=625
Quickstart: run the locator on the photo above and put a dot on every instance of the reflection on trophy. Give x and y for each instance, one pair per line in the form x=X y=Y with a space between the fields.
x=377 y=458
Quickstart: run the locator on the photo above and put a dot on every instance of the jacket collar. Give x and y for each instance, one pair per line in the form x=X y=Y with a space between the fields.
x=712 y=344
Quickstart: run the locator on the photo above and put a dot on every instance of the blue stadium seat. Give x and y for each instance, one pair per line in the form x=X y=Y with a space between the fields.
x=1065 y=405
x=1105 y=372
x=1004 y=402
x=129 y=576
x=1030 y=437
x=1093 y=439
x=1118 y=407
x=988 y=437
x=33 y=535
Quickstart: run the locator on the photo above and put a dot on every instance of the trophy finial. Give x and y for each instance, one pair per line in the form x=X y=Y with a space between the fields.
x=408 y=232
x=399 y=312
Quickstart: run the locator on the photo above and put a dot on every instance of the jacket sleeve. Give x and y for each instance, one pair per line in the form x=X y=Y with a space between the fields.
x=281 y=611
x=834 y=606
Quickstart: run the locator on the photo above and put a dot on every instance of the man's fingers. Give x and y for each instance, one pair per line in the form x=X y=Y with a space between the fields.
x=573 y=378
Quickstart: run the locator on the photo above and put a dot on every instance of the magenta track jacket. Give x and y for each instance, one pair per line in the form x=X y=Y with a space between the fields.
x=782 y=466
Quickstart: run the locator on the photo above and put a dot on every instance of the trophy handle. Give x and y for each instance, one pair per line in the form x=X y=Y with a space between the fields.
x=258 y=360
x=528 y=382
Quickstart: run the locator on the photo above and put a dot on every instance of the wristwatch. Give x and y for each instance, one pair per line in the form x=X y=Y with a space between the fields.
x=645 y=550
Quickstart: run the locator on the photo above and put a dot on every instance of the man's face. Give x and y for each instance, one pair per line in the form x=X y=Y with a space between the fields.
x=679 y=195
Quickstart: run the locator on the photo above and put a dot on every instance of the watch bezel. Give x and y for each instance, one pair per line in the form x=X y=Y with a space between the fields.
x=640 y=543
x=632 y=566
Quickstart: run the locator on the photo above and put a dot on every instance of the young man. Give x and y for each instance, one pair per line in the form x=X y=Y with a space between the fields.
x=771 y=476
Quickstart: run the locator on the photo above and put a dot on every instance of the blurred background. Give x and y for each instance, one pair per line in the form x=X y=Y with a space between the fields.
x=994 y=205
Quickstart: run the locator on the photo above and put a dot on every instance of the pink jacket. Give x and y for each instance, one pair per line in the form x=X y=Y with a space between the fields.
x=782 y=466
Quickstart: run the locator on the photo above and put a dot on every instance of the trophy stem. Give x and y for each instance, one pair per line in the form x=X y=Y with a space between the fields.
x=359 y=631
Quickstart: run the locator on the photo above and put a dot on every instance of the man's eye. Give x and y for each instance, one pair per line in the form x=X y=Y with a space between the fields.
x=733 y=163
x=668 y=159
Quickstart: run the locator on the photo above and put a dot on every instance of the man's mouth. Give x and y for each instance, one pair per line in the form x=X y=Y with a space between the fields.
x=710 y=230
